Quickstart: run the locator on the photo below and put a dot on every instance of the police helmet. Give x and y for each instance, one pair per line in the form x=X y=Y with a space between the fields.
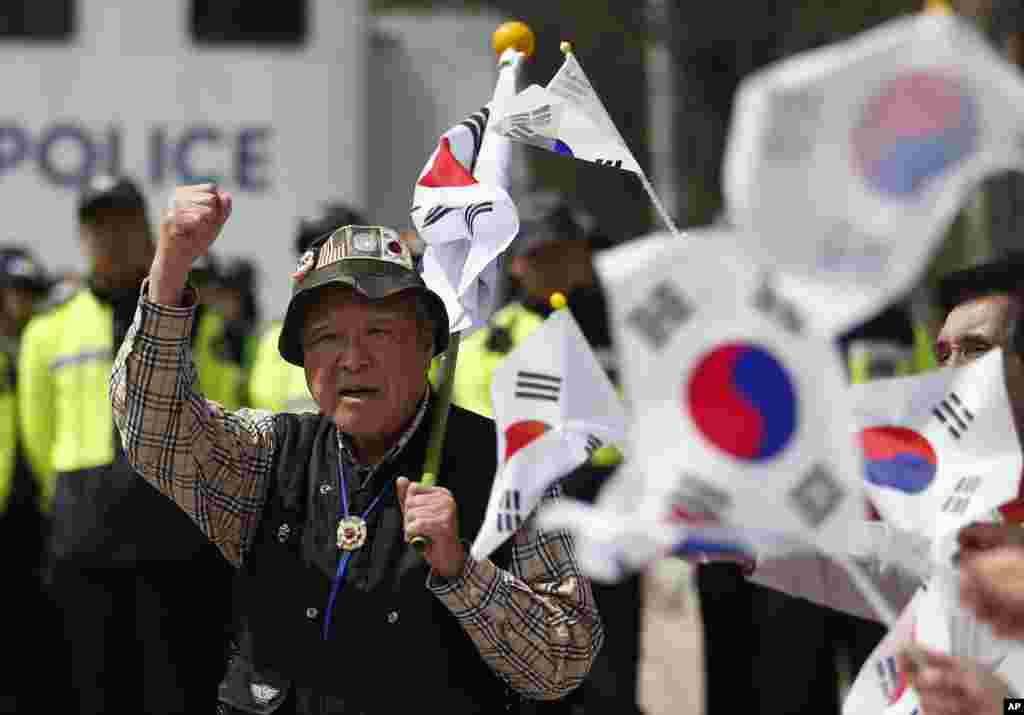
x=20 y=269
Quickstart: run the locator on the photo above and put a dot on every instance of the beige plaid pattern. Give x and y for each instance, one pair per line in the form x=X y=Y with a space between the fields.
x=536 y=625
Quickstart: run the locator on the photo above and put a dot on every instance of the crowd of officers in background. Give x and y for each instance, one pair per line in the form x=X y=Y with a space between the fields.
x=129 y=608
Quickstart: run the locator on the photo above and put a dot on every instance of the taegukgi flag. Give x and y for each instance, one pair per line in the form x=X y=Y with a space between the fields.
x=934 y=620
x=738 y=403
x=845 y=164
x=553 y=407
x=466 y=225
x=568 y=118
x=940 y=449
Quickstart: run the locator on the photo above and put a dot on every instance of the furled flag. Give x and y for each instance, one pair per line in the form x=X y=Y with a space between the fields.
x=465 y=223
x=940 y=449
x=553 y=406
x=737 y=402
x=845 y=164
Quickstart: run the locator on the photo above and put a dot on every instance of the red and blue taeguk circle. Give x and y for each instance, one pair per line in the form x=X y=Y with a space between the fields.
x=915 y=128
x=743 y=401
x=898 y=458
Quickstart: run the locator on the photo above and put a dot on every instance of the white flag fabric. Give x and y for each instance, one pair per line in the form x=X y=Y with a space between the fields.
x=466 y=225
x=844 y=165
x=568 y=118
x=933 y=620
x=940 y=449
x=737 y=402
x=553 y=406
x=614 y=540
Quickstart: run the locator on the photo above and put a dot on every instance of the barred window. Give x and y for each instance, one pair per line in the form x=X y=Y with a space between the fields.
x=45 y=20
x=237 y=22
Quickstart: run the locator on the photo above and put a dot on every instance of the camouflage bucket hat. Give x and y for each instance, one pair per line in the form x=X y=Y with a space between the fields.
x=371 y=260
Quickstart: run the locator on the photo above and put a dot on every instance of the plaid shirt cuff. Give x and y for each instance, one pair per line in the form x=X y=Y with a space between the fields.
x=471 y=591
x=167 y=323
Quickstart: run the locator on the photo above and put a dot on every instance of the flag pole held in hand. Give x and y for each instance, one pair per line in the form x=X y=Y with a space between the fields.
x=512 y=41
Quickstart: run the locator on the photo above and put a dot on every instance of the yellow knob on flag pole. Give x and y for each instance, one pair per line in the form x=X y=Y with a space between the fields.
x=558 y=300
x=938 y=7
x=565 y=47
x=515 y=35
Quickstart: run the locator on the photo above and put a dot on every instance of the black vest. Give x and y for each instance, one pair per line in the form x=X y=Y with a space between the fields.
x=393 y=644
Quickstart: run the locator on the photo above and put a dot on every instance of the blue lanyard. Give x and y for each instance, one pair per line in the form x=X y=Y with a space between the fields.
x=347 y=556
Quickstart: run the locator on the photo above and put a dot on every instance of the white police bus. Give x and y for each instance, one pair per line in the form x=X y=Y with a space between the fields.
x=265 y=98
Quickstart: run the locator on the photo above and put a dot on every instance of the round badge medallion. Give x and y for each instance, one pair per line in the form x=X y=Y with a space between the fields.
x=351 y=533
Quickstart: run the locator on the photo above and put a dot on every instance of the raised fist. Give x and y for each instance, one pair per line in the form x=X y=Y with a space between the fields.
x=192 y=222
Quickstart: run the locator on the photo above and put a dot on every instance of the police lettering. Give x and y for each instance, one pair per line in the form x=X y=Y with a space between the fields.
x=67 y=154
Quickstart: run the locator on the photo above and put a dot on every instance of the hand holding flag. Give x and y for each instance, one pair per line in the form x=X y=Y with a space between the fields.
x=467 y=179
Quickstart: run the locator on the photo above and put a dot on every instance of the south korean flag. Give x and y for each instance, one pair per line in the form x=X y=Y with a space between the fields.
x=733 y=390
x=940 y=449
x=846 y=151
x=553 y=406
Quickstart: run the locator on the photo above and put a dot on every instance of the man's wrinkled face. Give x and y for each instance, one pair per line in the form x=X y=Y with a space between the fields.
x=976 y=326
x=366 y=361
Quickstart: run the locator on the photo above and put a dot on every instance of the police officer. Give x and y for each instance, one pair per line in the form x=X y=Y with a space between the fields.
x=273 y=383
x=124 y=557
x=23 y=285
x=37 y=663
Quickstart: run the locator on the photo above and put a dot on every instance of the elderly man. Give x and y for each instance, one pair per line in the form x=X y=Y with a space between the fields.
x=983 y=311
x=317 y=511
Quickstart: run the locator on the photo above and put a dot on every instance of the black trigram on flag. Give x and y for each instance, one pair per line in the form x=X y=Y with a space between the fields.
x=593 y=444
x=960 y=499
x=521 y=125
x=537 y=386
x=435 y=214
x=952 y=413
x=658 y=318
x=771 y=303
x=473 y=211
x=508 y=517
x=614 y=163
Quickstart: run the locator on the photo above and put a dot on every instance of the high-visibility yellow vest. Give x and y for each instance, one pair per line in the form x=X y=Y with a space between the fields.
x=902 y=361
x=8 y=430
x=64 y=415
x=274 y=384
